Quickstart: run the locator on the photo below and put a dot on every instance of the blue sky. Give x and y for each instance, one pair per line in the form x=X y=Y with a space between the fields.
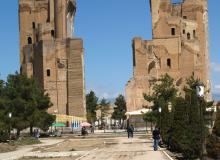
x=107 y=27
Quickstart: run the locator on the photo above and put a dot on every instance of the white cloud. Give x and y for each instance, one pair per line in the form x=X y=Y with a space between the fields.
x=102 y=93
x=215 y=67
x=216 y=89
x=105 y=95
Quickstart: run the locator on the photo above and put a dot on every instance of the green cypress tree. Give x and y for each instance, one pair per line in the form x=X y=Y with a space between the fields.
x=213 y=141
x=27 y=102
x=151 y=117
x=104 y=107
x=164 y=92
x=91 y=106
x=179 y=126
x=216 y=128
x=189 y=122
x=3 y=114
x=120 y=109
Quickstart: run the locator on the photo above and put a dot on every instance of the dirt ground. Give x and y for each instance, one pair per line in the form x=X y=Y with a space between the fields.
x=63 y=158
x=73 y=145
x=96 y=148
x=4 y=147
x=77 y=145
x=8 y=147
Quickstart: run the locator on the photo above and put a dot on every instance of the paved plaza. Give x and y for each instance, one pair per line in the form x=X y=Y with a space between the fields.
x=127 y=149
x=95 y=147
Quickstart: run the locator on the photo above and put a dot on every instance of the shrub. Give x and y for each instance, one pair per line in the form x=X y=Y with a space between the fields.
x=4 y=136
x=213 y=147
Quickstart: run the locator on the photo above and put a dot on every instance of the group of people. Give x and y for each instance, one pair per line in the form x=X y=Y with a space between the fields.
x=36 y=133
x=130 y=132
x=157 y=139
x=84 y=131
x=155 y=134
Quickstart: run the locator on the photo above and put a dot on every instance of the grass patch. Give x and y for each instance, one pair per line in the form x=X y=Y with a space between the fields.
x=8 y=147
x=26 y=141
x=5 y=147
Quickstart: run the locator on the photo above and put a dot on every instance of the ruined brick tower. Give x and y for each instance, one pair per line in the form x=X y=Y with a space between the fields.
x=50 y=53
x=179 y=47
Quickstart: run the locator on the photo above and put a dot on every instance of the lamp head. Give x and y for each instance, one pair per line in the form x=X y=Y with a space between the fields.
x=9 y=114
x=200 y=89
x=160 y=109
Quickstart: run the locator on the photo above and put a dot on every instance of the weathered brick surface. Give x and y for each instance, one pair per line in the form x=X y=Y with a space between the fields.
x=76 y=88
x=186 y=49
x=50 y=54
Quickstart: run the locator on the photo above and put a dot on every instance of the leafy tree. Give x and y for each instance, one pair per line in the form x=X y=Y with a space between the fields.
x=189 y=129
x=45 y=121
x=180 y=124
x=216 y=128
x=3 y=115
x=27 y=102
x=164 y=92
x=213 y=141
x=1 y=87
x=120 y=109
x=213 y=146
x=104 y=107
x=184 y=128
x=91 y=105
x=150 y=117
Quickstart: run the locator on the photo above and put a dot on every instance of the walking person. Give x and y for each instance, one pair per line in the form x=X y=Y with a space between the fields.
x=83 y=131
x=156 y=137
x=92 y=129
x=130 y=130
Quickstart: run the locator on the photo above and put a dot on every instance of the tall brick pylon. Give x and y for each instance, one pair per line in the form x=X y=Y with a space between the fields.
x=51 y=54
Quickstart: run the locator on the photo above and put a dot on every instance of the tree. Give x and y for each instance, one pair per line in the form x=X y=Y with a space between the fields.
x=196 y=129
x=4 y=129
x=27 y=102
x=150 y=117
x=164 y=92
x=179 y=137
x=184 y=128
x=91 y=105
x=104 y=107
x=120 y=109
x=189 y=129
x=216 y=128
x=1 y=87
x=213 y=141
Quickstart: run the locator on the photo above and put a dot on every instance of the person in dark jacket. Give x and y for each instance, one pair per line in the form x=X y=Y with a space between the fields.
x=84 y=131
x=156 y=137
x=130 y=130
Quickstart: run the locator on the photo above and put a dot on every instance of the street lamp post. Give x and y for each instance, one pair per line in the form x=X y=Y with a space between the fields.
x=9 y=116
x=160 y=110
x=160 y=115
x=169 y=106
x=200 y=91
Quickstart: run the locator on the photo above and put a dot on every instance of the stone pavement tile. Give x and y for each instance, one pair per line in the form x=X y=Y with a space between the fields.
x=26 y=149
x=127 y=149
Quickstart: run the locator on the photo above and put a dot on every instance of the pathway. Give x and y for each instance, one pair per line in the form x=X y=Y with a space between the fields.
x=127 y=149
x=26 y=149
